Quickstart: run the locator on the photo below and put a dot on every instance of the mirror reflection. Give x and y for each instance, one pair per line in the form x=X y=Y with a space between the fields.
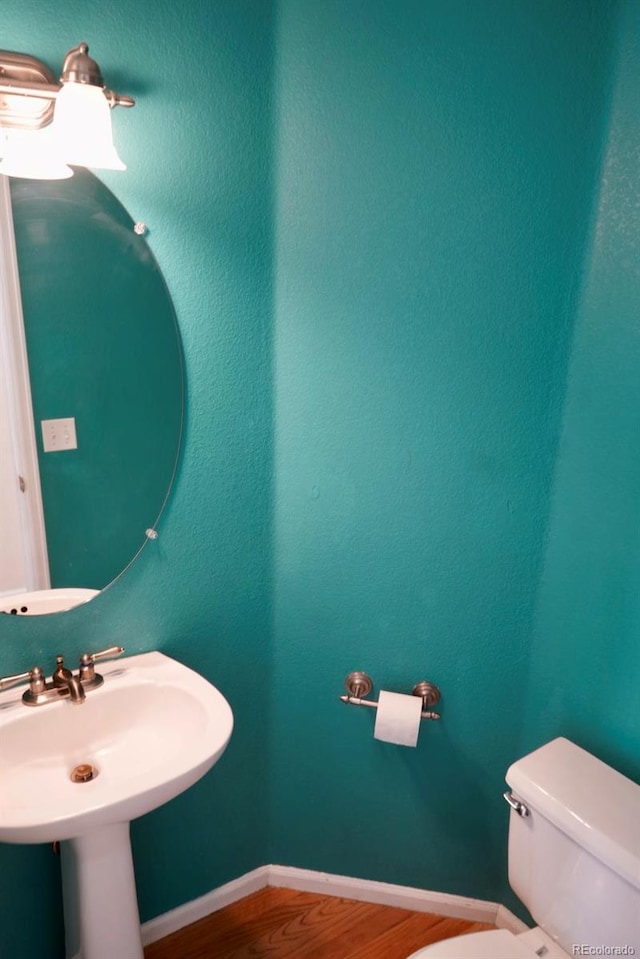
x=90 y=423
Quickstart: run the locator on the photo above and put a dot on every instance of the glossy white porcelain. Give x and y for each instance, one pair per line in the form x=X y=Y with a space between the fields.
x=574 y=861
x=151 y=731
x=497 y=944
x=41 y=601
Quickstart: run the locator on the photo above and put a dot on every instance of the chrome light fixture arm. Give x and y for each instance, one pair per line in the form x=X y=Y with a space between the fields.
x=26 y=88
x=25 y=77
x=50 y=91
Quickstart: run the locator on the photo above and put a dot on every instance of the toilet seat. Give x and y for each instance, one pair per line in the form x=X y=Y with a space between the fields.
x=498 y=944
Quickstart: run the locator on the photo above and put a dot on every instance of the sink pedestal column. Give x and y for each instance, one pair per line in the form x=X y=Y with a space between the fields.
x=99 y=894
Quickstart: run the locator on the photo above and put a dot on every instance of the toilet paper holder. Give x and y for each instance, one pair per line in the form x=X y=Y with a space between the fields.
x=359 y=685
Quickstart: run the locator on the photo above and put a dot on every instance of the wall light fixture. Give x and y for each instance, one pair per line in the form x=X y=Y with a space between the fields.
x=47 y=127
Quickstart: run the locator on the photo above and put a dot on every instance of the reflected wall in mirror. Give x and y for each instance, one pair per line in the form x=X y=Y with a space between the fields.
x=103 y=350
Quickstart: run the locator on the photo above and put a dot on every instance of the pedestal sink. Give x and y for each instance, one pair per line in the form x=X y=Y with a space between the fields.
x=152 y=730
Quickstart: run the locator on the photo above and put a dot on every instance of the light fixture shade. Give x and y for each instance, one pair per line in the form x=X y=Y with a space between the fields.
x=32 y=155
x=82 y=125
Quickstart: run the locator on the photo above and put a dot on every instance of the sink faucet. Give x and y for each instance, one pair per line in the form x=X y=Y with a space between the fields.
x=64 y=677
x=63 y=683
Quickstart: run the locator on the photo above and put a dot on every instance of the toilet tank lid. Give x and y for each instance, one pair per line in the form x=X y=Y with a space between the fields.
x=596 y=806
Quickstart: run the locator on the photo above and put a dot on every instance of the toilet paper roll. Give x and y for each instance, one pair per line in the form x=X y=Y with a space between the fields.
x=398 y=718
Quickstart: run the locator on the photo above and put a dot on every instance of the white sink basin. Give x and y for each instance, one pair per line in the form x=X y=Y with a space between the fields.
x=41 y=601
x=152 y=730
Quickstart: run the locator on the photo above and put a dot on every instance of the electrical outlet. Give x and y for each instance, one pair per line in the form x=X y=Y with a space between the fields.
x=59 y=435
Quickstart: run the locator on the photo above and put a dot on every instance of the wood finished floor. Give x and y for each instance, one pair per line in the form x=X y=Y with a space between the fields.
x=285 y=924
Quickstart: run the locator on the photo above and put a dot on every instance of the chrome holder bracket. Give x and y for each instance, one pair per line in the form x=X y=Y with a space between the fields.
x=359 y=685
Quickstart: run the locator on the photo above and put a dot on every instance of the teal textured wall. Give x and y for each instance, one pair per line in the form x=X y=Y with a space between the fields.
x=435 y=170
x=585 y=663
x=406 y=245
x=198 y=149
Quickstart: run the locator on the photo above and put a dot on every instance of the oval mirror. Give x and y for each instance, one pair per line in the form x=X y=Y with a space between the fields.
x=97 y=424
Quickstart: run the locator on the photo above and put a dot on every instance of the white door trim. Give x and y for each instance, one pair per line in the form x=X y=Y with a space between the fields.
x=14 y=368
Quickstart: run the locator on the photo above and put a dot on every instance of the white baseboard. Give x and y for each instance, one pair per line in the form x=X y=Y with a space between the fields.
x=197 y=909
x=383 y=893
x=345 y=887
x=505 y=919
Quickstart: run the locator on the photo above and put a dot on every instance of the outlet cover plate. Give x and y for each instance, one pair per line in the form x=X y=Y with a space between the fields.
x=59 y=435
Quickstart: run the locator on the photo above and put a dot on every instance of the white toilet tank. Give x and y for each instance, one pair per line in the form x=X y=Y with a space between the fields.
x=574 y=861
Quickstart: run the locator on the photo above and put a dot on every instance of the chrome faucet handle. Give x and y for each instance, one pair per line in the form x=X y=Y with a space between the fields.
x=34 y=677
x=87 y=672
x=6 y=681
x=109 y=653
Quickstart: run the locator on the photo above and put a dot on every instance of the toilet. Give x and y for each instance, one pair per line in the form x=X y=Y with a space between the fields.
x=574 y=861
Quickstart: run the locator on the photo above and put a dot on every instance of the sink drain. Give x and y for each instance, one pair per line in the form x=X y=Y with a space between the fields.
x=83 y=773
